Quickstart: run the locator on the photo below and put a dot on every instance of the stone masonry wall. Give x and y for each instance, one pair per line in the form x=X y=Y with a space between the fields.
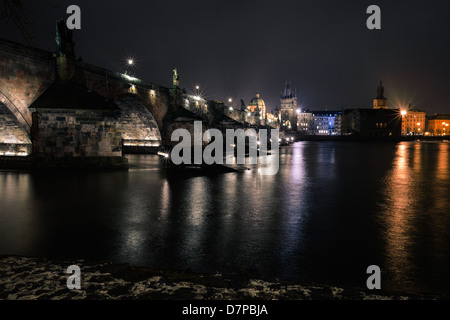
x=25 y=73
x=77 y=133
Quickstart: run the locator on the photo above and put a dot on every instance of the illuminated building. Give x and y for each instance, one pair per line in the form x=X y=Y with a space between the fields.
x=380 y=102
x=439 y=124
x=258 y=106
x=324 y=123
x=319 y=123
x=273 y=118
x=289 y=107
x=304 y=121
x=413 y=122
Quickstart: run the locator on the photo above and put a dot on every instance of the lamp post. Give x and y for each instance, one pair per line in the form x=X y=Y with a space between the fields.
x=130 y=64
x=230 y=101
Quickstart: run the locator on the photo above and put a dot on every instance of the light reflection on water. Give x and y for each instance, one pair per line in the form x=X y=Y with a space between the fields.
x=333 y=209
x=415 y=215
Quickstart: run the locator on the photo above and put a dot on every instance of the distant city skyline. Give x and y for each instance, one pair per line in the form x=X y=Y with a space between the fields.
x=325 y=49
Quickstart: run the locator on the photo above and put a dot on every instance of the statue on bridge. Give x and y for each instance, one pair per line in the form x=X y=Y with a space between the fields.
x=64 y=39
x=243 y=106
x=176 y=78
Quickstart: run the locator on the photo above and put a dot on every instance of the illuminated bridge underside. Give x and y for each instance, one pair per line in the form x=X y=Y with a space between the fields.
x=139 y=127
x=14 y=140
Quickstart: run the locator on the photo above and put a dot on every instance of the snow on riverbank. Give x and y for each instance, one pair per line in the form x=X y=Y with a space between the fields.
x=24 y=278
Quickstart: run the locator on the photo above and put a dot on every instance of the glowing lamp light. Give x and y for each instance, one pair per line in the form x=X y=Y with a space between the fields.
x=13 y=154
x=130 y=62
x=231 y=109
x=403 y=112
x=249 y=114
x=163 y=154
x=129 y=78
x=132 y=89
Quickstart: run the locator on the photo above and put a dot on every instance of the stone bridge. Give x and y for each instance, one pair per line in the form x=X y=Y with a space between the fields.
x=32 y=115
x=27 y=72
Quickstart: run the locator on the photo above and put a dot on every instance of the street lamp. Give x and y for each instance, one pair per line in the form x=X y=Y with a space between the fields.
x=129 y=65
x=230 y=101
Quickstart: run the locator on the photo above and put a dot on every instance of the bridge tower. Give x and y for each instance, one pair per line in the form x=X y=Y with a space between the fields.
x=289 y=106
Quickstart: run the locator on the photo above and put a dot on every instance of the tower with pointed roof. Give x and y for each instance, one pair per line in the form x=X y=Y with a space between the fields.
x=380 y=102
x=289 y=106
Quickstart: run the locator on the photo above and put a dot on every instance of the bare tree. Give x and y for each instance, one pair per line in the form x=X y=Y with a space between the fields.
x=13 y=11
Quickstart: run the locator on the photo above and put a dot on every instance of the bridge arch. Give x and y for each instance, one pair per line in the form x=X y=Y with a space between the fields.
x=14 y=139
x=139 y=127
x=22 y=115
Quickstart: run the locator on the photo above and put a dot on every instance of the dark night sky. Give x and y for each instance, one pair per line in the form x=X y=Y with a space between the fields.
x=235 y=48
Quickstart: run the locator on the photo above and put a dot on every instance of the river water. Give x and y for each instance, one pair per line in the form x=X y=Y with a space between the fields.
x=333 y=209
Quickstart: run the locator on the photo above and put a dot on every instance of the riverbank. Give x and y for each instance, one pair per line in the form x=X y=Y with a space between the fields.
x=23 y=278
x=353 y=138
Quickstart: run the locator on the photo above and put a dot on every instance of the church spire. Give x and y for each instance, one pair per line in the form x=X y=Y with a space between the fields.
x=380 y=91
x=287 y=94
x=380 y=102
